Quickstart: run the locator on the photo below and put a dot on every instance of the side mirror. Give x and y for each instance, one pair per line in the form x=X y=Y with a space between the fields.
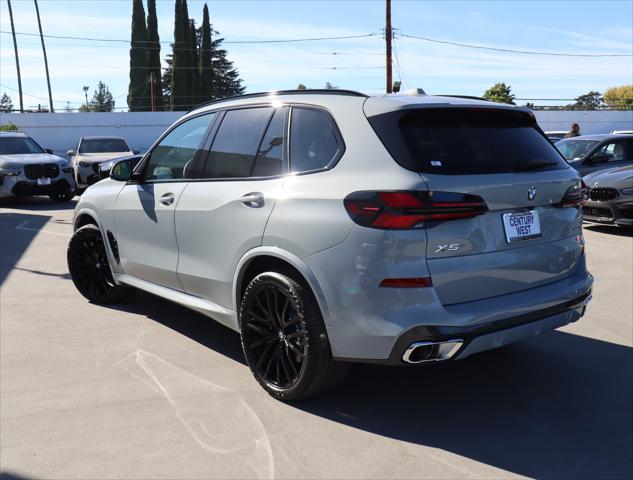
x=597 y=159
x=136 y=151
x=121 y=171
x=48 y=150
x=70 y=153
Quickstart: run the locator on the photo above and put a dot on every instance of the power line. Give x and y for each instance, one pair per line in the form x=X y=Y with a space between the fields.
x=525 y=52
x=234 y=42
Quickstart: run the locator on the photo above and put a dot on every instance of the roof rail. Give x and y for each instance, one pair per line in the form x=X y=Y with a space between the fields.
x=468 y=97
x=319 y=91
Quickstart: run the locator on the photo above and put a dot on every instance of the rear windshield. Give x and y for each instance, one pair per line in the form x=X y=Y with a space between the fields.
x=18 y=145
x=459 y=141
x=103 y=145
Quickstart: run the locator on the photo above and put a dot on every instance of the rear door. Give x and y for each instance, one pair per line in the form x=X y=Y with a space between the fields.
x=523 y=240
x=223 y=213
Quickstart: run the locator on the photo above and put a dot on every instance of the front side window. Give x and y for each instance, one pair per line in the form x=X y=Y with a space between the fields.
x=172 y=158
x=18 y=145
x=314 y=143
x=236 y=143
x=611 y=152
x=103 y=145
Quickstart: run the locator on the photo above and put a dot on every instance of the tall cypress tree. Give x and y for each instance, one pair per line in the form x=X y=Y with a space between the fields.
x=205 y=88
x=138 y=60
x=153 y=53
x=193 y=73
x=179 y=90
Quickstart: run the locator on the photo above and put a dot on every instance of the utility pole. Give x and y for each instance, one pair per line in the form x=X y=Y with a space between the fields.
x=17 y=60
x=151 y=89
x=388 y=37
x=48 y=78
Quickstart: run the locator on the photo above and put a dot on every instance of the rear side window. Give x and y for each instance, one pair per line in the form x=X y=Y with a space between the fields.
x=459 y=141
x=314 y=140
x=236 y=143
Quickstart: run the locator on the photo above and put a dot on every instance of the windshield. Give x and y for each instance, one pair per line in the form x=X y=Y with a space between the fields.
x=103 y=145
x=575 y=149
x=462 y=141
x=18 y=145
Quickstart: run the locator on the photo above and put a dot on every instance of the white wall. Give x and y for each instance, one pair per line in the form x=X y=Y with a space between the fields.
x=589 y=121
x=61 y=131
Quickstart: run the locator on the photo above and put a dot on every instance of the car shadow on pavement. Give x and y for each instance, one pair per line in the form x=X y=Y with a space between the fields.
x=611 y=229
x=15 y=240
x=37 y=203
x=555 y=406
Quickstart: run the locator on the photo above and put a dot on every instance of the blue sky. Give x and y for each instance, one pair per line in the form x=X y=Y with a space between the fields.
x=554 y=26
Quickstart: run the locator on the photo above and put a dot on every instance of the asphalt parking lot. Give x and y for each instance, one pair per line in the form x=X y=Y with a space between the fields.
x=152 y=390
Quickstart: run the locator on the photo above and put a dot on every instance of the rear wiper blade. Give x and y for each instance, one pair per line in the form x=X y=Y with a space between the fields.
x=533 y=165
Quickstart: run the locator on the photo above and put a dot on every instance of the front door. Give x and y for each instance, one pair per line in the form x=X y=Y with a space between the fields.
x=144 y=211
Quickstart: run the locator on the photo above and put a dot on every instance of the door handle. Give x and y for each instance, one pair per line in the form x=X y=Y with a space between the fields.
x=167 y=199
x=253 y=199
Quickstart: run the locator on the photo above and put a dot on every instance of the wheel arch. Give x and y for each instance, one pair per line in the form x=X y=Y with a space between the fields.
x=265 y=259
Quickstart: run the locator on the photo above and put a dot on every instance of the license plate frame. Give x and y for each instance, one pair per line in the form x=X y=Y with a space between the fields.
x=43 y=181
x=521 y=226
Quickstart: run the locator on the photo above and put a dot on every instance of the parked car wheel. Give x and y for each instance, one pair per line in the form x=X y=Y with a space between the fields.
x=284 y=338
x=89 y=267
x=62 y=197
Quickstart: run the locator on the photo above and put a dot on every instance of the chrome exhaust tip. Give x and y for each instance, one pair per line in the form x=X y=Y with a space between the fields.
x=421 y=352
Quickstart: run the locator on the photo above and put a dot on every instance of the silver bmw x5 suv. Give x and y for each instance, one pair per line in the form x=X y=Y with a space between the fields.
x=329 y=227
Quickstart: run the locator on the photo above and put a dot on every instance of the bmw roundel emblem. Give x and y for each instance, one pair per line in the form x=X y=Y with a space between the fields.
x=531 y=193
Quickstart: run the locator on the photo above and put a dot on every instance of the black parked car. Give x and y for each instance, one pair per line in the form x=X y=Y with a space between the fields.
x=590 y=153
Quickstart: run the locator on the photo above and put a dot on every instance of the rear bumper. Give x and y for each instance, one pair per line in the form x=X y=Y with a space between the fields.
x=495 y=334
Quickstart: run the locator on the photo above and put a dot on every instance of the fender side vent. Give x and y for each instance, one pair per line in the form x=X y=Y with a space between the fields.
x=113 y=246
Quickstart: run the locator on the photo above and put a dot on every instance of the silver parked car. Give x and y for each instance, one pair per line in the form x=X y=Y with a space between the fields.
x=28 y=169
x=330 y=227
x=91 y=152
x=611 y=197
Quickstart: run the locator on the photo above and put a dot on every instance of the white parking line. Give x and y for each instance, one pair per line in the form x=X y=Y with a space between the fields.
x=29 y=229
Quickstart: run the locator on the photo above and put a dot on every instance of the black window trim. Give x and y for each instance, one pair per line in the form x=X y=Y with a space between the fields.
x=142 y=164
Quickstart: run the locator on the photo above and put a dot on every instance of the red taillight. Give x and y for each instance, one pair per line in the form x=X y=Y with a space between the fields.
x=405 y=210
x=420 y=282
x=575 y=196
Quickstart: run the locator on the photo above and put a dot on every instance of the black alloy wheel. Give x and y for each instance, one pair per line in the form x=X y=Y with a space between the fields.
x=89 y=267
x=284 y=338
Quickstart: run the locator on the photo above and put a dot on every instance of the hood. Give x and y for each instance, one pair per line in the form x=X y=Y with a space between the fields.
x=30 y=158
x=618 y=177
x=99 y=157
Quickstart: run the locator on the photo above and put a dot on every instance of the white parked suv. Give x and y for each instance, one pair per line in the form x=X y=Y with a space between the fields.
x=91 y=152
x=27 y=169
x=329 y=227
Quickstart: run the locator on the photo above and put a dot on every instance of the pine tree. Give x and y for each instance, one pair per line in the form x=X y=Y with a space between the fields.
x=227 y=81
x=206 y=56
x=137 y=90
x=6 y=105
x=153 y=53
x=102 y=100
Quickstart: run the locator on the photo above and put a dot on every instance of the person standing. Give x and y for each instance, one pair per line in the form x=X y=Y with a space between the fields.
x=574 y=132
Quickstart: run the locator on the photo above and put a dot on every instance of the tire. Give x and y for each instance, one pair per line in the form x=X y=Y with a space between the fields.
x=89 y=267
x=284 y=339
x=62 y=197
